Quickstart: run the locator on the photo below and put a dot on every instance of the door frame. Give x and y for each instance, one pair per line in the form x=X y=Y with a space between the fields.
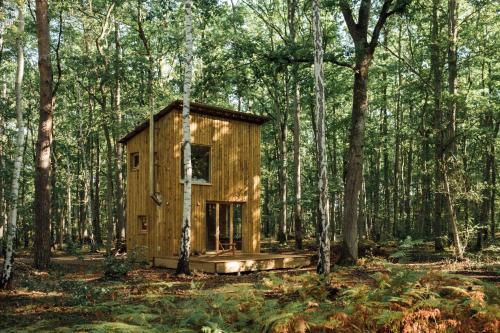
x=217 y=204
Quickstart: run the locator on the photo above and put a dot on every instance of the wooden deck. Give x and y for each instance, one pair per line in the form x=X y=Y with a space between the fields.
x=240 y=262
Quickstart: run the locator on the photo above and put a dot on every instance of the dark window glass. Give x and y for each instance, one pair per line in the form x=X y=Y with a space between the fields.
x=134 y=161
x=143 y=223
x=200 y=160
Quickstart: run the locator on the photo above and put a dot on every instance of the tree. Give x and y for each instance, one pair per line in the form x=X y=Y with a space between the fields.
x=183 y=264
x=6 y=276
x=364 y=52
x=43 y=159
x=321 y=159
x=292 y=7
x=436 y=69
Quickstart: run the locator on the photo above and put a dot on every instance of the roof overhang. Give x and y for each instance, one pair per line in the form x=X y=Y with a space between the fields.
x=198 y=108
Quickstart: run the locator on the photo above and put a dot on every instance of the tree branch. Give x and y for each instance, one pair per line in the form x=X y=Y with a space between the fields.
x=58 y=56
x=385 y=13
x=349 y=19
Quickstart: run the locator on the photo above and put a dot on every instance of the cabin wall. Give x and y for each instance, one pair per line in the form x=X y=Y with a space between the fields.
x=235 y=177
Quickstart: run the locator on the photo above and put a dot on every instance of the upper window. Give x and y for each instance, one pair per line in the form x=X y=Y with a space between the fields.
x=134 y=161
x=200 y=161
x=142 y=222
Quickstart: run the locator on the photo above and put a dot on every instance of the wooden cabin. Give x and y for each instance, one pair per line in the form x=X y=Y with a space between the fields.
x=226 y=182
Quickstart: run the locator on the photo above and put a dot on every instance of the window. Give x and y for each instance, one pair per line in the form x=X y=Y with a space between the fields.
x=200 y=160
x=134 y=161
x=142 y=220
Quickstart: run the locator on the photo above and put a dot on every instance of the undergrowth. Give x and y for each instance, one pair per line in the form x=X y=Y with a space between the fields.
x=379 y=298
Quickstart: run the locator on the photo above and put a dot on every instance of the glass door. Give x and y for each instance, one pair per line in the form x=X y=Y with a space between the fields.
x=224 y=224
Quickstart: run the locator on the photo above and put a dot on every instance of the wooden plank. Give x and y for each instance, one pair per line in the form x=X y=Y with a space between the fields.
x=239 y=263
x=217 y=229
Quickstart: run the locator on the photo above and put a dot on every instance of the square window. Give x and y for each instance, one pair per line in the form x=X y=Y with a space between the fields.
x=134 y=161
x=200 y=161
x=143 y=223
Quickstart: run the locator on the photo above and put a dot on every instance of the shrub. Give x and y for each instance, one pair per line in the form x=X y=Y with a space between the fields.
x=116 y=267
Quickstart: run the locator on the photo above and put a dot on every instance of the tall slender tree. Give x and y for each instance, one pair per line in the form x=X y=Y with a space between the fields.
x=321 y=153
x=6 y=276
x=183 y=263
x=292 y=9
x=436 y=69
x=43 y=159
x=3 y=84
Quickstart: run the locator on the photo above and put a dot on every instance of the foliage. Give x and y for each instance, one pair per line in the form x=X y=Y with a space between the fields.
x=405 y=249
x=116 y=267
x=378 y=297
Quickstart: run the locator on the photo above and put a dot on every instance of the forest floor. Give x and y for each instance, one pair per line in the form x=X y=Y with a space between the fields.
x=376 y=295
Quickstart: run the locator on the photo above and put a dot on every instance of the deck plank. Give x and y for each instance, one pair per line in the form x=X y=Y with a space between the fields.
x=241 y=262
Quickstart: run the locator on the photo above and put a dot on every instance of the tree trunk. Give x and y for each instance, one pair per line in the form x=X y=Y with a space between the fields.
x=183 y=263
x=6 y=276
x=408 y=191
x=426 y=176
x=397 y=149
x=44 y=143
x=282 y=124
x=452 y=75
x=438 y=131
x=355 y=161
x=321 y=157
x=65 y=235
x=292 y=7
x=459 y=251
x=109 y=185
x=3 y=93
x=386 y=224
x=118 y=158
x=95 y=188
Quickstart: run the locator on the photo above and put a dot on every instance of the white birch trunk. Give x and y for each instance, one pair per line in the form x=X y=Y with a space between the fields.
x=12 y=216
x=322 y=164
x=3 y=93
x=183 y=264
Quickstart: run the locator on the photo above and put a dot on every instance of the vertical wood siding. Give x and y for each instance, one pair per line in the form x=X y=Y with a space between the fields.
x=235 y=177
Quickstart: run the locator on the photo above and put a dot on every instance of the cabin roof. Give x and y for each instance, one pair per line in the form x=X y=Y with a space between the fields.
x=198 y=108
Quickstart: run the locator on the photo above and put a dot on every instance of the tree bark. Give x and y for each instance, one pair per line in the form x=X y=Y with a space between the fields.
x=292 y=6
x=397 y=148
x=364 y=51
x=109 y=186
x=386 y=224
x=44 y=142
x=3 y=93
x=95 y=193
x=183 y=263
x=282 y=124
x=438 y=130
x=458 y=249
x=118 y=158
x=321 y=153
x=355 y=161
x=6 y=276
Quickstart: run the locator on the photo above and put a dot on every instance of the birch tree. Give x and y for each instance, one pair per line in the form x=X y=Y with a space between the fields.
x=321 y=159
x=183 y=263
x=12 y=216
x=4 y=97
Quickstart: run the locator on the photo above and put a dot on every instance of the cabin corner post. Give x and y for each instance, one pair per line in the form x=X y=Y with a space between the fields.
x=152 y=174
